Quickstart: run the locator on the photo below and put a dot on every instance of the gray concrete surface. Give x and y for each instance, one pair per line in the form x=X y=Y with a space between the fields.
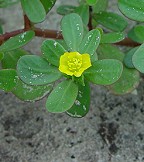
x=112 y=131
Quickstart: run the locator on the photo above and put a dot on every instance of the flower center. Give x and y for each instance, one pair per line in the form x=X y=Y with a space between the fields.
x=74 y=64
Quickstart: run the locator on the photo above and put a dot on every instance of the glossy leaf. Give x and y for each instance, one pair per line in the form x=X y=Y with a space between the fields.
x=91 y=2
x=34 y=10
x=1 y=29
x=48 y=4
x=82 y=103
x=132 y=35
x=27 y=92
x=111 y=21
x=108 y=51
x=112 y=37
x=35 y=70
x=104 y=72
x=72 y=30
x=128 y=81
x=11 y=58
x=138 y=59
x=65 y=9
x=128 y=57
x=90 y=42
x=62 y=97
x=8 y=79
x=83 y=11
x=139 y=32
x=133 y=9
x=1 y=56
x=52 y=51
x=100 y=5
x=17 y=41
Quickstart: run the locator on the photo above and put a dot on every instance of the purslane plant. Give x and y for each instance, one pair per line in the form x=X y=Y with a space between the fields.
x=66 y=68
x=77 y=64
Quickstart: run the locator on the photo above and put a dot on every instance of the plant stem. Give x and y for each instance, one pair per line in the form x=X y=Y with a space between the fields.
x=45 y=33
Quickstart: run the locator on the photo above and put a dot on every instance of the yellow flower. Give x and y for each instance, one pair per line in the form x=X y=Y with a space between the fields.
x=74 y=63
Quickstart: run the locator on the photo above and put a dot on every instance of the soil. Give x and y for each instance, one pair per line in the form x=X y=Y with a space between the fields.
x=112 y=131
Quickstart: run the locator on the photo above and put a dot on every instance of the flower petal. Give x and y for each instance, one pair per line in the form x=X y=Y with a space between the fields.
x=86 y=62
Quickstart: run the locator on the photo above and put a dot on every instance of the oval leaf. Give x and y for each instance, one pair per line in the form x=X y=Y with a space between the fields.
x=112 y=37
x=72 y=30
x=52 y=51
x=48 y=4
x=82 y=103
x=91 y=2
x=62 y=97
x=104 y=72
x=1 y=56
x=100 y=5
x=17 y=41
x=34 y=70
x=111 y=21
x=27 y=92
x=133 y=9
x=139 y=32
x=65 y=9
x=128 y=81
x=108 y=51
x=1 y=29
x=128 y=57
x=11 y=58
x=83 y=11
x=8 y=79
x=90 y=42
x=138 y=59
x=34 y=10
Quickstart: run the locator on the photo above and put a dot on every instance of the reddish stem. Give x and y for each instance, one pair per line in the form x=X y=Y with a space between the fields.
x=54 y=33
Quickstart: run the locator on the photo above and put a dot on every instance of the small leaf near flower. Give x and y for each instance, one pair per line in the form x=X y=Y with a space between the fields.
x=74 y=63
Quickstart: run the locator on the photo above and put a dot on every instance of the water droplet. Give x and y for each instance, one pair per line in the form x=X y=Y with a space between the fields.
x=77 y=103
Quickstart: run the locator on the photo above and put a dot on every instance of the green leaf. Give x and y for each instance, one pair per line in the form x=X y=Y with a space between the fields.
x=91 y=2
x=131 y=34
x=17 y=41
x=34 y=10
x=138 y=59
x=65 y=9
x=90 y=42
x=128 y=81
x=35 y=70
x=100 y=5
x=11 y=58
x=52 y=51
x=113 y=37
x=128 y=57
x=79 y=80
x=83 y=11
x=62 y=97
x=133 y=9
x=8 y=79
x=72 y=30
x=108 y=51
x=1 y=56
x=104 y=72
x=48 y=4
x=1 y=29
x=139 y=32
x=82 y=103
x=27 y=92
x=111 y=21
